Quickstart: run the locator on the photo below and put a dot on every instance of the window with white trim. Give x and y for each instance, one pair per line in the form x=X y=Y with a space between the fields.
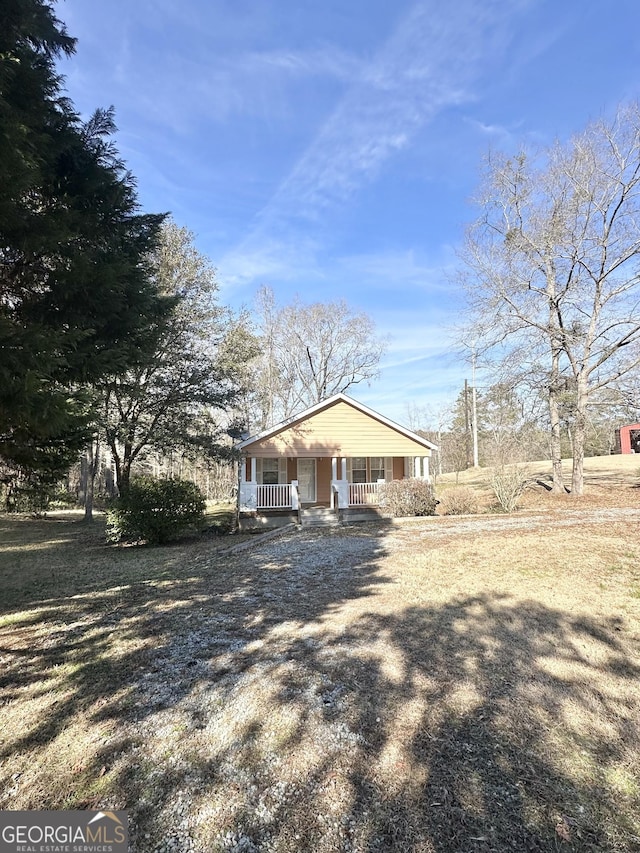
x=270 y=470
x=359 y=469
x=376 y=467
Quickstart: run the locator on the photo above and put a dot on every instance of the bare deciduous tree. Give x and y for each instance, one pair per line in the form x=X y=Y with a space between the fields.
x=311 y=352
x=554 y=268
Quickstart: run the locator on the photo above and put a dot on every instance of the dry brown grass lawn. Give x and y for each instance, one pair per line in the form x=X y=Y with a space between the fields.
x=611 y=480
x=434 y=686
x=599 y=471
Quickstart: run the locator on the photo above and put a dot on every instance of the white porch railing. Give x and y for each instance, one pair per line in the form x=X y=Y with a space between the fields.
x=364 y=494
x=274 y=497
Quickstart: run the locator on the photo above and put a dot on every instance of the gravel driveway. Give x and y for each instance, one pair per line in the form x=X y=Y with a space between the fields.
x=276 y=712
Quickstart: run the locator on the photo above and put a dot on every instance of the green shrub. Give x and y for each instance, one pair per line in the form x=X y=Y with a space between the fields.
x=459 y=500
x=63 y=499
x=408 y=497
x=27 y=494
x=158 y=511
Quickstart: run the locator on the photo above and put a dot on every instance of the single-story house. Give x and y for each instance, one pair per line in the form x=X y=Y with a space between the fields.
x=335 y=455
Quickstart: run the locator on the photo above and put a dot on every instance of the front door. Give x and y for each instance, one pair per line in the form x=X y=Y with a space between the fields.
x=307 y=480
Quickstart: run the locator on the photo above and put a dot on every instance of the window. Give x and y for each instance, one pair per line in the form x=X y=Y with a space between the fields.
x=369 y=469
x=377 y=468
x=359 y=469
x=269 y=472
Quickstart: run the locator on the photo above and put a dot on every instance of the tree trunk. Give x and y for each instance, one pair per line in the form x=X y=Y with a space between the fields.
x=124 y=478
x=554 y=417
x=84 y=477
x=120 y=476
x=579 y=431
x=577 y=475
x=556 y=446
x=91 y=464
x=123 y=456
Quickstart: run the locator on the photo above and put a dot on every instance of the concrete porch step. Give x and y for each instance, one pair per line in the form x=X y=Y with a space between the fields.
x=318 y=516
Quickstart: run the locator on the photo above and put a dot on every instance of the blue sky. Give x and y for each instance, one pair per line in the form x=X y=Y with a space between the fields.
x=331 y=149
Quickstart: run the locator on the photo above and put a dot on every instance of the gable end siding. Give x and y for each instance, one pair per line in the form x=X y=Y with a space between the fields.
x=339 y=430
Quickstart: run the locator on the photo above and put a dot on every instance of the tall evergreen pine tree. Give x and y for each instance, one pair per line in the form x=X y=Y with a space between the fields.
x=76 y=299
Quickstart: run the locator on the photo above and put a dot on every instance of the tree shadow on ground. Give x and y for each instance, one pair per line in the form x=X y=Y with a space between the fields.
x=480 y=725
x=511 y=706
x=113 y=655
x=289 y=699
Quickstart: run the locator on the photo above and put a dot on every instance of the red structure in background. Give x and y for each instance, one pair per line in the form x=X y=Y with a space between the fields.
x=628 y=439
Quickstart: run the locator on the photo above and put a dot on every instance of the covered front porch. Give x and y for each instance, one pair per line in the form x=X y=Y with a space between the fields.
x=336 y=456
x=279 y=484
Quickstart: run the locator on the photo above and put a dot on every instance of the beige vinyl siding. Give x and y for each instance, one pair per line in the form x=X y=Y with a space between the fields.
x=338 y=430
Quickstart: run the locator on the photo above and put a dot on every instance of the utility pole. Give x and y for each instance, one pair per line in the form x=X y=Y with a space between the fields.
x=466 y=420
x=474 y=408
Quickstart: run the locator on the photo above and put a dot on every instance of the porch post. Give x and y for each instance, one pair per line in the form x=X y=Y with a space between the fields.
x=341 y=485
x=416 y=467
x=254 y=470
x=425 y=467
x=248 y=493
x=334 y=477
x=295 y=495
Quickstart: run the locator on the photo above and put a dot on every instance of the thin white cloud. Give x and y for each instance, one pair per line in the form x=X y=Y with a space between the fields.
x=392 y=268
x=430 y=63
x=503 y=136
x=362 y=274
x=414 y=336
x=323 y=61
x=178 y=91
x=489 y=129
x=436 y=379
x=272 y=259
x=408 y=345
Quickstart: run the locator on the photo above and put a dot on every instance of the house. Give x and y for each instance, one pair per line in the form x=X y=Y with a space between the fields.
x=335 y=455
x=628 y=439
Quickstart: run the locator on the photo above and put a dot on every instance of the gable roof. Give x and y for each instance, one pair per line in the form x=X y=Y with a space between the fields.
x=325 y=404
